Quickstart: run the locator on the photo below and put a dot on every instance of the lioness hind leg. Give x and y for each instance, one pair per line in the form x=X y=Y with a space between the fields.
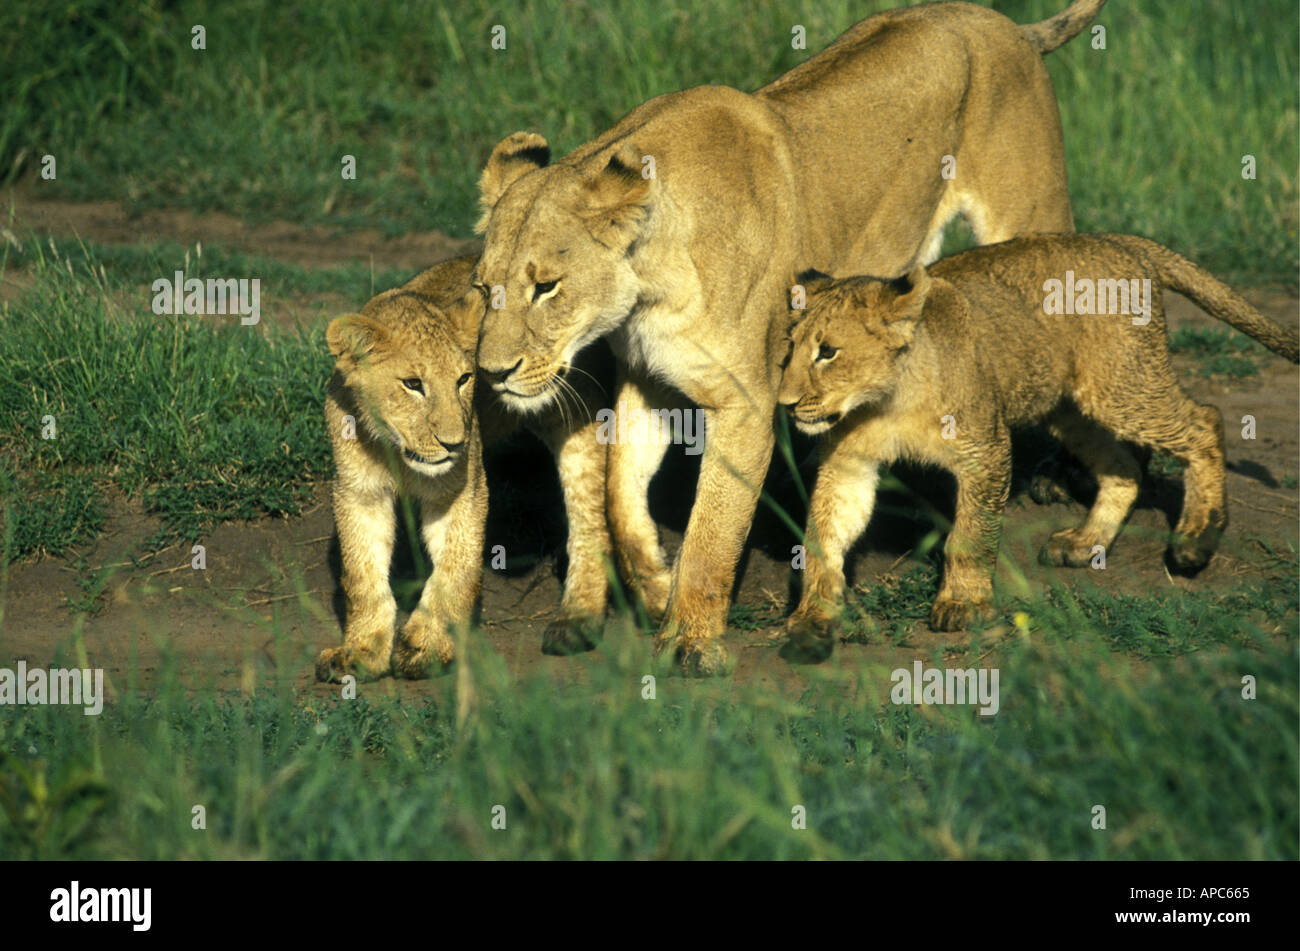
x=1118 y=481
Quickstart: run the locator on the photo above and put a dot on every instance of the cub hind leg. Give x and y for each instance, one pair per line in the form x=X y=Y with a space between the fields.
x=1162 y=416
x=1118 y=481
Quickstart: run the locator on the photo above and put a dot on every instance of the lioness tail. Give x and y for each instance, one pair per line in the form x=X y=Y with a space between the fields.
x=1065 y=26
x=1214 y=297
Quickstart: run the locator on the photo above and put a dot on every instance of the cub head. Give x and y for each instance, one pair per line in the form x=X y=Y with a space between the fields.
x=555 y=270
x=410 y=367
x=845 y=348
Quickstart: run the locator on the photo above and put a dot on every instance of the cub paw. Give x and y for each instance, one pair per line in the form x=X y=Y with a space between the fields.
x=571 y=636
x=950 y=615
x=1188 y=555
x=813 y=636
x=1066 y=548
x=335 y=663
x=415 y=656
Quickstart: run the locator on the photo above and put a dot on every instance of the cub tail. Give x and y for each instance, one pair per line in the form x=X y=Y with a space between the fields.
x=1058 y=30
x=1214 y=297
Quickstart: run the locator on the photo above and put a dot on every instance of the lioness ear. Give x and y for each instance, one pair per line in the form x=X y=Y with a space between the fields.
x=616 y=199
x=912 y=290
x=352 y=337
x=515 y=155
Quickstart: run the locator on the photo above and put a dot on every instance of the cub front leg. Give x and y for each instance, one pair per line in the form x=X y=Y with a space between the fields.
x=839 y=511
x=453 y=536
x=366 y=523
x=736 y=457
x=970 y=554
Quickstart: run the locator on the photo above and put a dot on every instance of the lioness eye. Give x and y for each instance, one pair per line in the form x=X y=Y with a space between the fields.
x=413 y=383
x=464 y=378
x=826 y=351
x=543 y=287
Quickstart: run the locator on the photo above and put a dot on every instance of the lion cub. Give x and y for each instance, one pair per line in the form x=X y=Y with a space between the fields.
x=936 y=367
x=405 y=418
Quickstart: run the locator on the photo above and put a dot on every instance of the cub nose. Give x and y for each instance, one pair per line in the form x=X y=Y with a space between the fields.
x=500 y=376
x=452 y=447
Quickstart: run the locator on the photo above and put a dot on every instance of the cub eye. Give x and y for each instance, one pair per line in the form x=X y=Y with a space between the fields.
x=542 y=288
x=826 y=352
x=480 y=287
x=413 y=383
x=464 y=378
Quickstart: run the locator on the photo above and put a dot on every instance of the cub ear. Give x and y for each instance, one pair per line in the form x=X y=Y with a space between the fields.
x=911 y=289
x=465 y=318
x=615 y=201
x=515 y=155
x=352 y=337
x=813 y=282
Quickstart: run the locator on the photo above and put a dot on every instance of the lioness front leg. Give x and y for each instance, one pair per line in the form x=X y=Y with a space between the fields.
x=632 y=464
x=581 y=460
x=840 y=508
x=970 y=554
x=453 y=536
x=736 y=456
x=366 y=524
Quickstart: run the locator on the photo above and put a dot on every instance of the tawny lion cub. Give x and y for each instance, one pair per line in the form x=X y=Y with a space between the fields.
x=405 y=419
x=1066 y=330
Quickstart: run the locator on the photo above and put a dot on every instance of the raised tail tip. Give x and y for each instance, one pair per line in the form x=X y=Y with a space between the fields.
x=1056 y=31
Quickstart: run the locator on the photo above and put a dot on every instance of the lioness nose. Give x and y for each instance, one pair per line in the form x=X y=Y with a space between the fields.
x=500 y=376
x=451 y=447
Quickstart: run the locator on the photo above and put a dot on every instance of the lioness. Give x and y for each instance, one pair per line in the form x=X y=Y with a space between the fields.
x=405 y=417
x=675 y=232
x=936 y=366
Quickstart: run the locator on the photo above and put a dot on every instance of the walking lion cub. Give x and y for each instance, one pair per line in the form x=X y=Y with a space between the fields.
x=405 y=418
x=1064 y=330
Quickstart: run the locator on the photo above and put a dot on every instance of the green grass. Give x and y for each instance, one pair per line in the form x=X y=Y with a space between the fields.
x=1186 y=767
x=1219 y=352
x=133 y=268
x=1156 y=124
x=201 y=418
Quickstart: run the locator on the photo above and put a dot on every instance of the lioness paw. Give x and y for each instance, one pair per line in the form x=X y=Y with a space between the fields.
x=695 y=657
x=571 y=636
x=812 y=635
x=1068 y=549
x=950 y=615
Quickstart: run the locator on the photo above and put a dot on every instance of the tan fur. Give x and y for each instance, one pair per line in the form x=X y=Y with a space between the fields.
x=879 y=366
x=428 y=330
x=838 y=164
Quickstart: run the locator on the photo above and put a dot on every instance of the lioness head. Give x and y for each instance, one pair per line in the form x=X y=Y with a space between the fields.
x=410 y=366
x=555 y=269
x=845 y=347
